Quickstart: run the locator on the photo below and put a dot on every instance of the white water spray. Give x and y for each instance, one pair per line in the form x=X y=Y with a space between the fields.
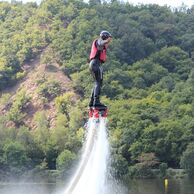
x=91 y=174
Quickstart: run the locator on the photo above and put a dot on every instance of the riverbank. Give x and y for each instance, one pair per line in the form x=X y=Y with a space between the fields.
x=156 y=173
x=32 y=176
x=54 y=175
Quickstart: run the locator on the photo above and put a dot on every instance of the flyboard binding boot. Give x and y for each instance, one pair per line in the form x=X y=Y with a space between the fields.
x=97 y=112
x=97 y=109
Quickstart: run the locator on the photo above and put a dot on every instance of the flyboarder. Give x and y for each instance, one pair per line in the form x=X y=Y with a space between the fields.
x=97 y=57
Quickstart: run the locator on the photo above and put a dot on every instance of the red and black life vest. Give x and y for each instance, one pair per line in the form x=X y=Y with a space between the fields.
x=94 y=52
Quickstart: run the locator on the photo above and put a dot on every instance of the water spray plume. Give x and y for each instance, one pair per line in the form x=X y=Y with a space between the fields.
x=90 y=177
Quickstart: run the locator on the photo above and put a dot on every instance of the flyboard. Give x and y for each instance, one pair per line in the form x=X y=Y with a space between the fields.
x=95 y=114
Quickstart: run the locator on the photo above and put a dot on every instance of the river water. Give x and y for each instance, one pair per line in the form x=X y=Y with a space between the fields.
x=152 y=186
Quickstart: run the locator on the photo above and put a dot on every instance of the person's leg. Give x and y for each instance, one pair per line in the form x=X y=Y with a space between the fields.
x=97 y=73
x=91 y=102
x=91 y=68
x=101 y=77
x=98 y=85
x=98 y=81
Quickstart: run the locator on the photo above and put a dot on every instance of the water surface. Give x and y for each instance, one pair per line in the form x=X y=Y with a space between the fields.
x=157 y=186
x=152 y=186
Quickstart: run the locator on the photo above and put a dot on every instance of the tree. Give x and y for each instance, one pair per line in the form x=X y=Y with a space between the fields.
x=175 y=60
x=17 y=111
x=163 y=169
x=119 y=165
x=15 y=157
x=94 y=2
x=42 y=131
x=64 y=103
x=146 y=161
x=64 y=160
x=49 y=89
x=187 y=42
x=187 y=160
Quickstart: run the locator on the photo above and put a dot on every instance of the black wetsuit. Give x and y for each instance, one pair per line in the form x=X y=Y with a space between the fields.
x=97 y=72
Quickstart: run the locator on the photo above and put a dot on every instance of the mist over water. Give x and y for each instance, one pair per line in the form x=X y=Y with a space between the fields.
x=29 y=188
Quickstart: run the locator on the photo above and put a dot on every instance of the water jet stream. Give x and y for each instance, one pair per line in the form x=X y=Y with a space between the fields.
x=91 y=173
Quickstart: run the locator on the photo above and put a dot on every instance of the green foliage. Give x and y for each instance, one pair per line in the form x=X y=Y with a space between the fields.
x=20 y=75
x=49 y=89
x=14 y=156
x=17 y=111
x=76 y=118
x=65 y=159
x=143 y=168
x=4 y=99
x=119 y=166
x=163 y=169
x=33 y=149
x=21 y=39
x=62 y=136
x=142 y=171
x=42 y=130
x=187 y=160
x=64 y=102
x=175 y=60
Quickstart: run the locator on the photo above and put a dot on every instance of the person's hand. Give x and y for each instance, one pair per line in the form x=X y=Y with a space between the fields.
x=109 y=39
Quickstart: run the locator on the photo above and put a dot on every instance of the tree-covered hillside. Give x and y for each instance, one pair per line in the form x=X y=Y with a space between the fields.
x=148 y=83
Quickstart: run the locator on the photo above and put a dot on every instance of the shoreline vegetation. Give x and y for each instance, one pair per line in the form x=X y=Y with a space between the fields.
x=51 y=176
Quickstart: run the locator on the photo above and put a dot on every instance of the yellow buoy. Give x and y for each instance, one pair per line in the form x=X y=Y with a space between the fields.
x=166 y=184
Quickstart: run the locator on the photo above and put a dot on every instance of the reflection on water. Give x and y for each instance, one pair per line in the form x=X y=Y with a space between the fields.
x=30 y=188
x=156 y=186
x=153 y=186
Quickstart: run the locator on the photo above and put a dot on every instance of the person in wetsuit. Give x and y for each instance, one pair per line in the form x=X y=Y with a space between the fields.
x=97 y=57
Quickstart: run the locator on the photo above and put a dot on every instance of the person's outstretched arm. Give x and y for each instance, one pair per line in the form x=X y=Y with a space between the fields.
x=100 y=43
